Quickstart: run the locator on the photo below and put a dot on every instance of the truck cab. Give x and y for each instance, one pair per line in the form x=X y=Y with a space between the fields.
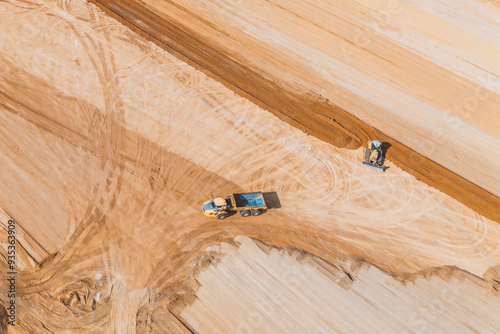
x=216 y=207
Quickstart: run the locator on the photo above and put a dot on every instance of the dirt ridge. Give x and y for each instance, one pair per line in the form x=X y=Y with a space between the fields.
x=346 y=272
x=306 y=112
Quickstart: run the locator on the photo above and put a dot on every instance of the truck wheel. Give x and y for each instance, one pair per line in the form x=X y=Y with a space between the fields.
x=221 y=216
x=255 y=212
x=245 y=213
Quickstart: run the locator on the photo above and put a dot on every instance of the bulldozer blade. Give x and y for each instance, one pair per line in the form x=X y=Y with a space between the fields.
x=379 y=168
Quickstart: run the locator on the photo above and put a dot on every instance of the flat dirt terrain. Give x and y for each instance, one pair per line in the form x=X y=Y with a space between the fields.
x=110 y=145
x=422 y=76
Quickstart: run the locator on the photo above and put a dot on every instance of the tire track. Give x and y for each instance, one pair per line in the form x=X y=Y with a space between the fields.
x=176 y=37
x=141 y=226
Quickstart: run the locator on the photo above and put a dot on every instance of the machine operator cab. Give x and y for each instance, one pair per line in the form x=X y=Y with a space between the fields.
x=376 y=152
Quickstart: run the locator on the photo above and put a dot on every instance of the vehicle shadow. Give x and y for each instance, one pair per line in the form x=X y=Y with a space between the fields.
x=272 y=200
x=231 y=213
x=384 y=148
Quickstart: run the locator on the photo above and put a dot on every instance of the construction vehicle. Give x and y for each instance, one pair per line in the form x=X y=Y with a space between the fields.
x=374 y=156
x=247 y=204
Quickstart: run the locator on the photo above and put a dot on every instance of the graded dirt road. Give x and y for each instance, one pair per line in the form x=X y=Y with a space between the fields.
x=423 y=76
x=109 y=147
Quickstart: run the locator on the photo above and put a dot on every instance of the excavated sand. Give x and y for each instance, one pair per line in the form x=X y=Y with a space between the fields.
x=251 y=291
x=423 y=76
x=431 y=80
x=109 y=147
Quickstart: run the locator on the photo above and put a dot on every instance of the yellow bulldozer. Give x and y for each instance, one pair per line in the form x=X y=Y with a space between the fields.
x=374 y=156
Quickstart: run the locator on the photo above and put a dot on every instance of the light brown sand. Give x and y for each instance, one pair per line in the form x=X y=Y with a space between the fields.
x=251 y=291
x=110 y=145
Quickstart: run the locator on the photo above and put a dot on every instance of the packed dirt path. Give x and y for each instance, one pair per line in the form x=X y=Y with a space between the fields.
x=421 y=75
x=109 y=147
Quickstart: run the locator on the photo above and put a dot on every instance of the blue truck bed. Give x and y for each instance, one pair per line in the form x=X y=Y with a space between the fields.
x=253 y=200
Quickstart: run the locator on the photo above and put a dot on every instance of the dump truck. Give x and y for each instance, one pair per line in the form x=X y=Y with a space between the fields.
x=374 y=156
x=247 y=204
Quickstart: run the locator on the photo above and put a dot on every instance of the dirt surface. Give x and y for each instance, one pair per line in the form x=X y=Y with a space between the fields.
x=238 y=293
x=353 y=71
x=110 y=146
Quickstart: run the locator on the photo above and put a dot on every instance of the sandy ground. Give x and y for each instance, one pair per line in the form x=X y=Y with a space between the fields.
x=110 y=145
x=347 y=297
x=421 y=76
